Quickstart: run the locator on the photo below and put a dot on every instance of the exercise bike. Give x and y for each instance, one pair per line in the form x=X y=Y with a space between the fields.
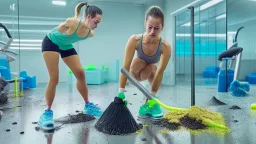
x=227 y=75
x=7 y=56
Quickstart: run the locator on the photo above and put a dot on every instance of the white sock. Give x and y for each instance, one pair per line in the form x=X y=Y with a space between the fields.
x=121 y=90
x=153 y=93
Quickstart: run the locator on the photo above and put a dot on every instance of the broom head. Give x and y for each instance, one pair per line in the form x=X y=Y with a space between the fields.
x=117 y=119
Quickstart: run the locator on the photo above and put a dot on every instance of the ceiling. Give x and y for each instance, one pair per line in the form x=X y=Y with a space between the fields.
x=42 y=7
x=238 y=10
x=116 y=1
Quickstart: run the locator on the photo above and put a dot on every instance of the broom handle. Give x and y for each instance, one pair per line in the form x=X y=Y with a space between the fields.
x=137 y=84
x=210 y=123
x=145 y=91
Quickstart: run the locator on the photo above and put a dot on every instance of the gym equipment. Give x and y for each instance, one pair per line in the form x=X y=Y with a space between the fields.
x=28 y=81
x=226 y=74
x=90 y=67
x=4 y=62
x=8 y=56
x=94 y=76
x=18 y=83
x=251 y=78
x=211 y=72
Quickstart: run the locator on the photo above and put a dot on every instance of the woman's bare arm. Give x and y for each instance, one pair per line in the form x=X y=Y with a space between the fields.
x=129 y=53
x=166 y=54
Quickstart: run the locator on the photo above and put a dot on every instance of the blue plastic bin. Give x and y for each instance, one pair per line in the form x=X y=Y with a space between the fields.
x=222 y=80
x=5 y=73
x=96 y=77
x=251 y=78
x=211 y=72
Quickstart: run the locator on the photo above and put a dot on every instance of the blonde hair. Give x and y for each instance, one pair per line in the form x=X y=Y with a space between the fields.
x=155 y=11
x=79 y=7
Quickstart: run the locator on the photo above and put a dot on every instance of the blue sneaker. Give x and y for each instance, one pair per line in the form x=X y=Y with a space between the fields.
x=92 y=109
x=46 y=120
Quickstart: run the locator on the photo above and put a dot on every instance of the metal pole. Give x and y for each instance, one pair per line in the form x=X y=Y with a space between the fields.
x=226 y=73
x=237 y=68
x=192 y=57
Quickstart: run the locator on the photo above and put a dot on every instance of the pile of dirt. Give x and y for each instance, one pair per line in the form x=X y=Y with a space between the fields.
x=170 y=126
x=78 y=118
x=196 y=119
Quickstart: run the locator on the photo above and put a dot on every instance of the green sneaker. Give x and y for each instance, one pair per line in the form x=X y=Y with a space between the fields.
x=157 y=112
x=145 y=111
x=151 y=110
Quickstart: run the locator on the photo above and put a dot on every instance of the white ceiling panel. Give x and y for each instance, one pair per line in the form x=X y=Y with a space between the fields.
x=116 y=1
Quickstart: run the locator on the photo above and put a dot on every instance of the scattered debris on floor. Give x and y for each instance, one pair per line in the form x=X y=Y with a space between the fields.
x=70 y=119
x=56 y=128
x=235 y=121
x=143 y=139
x=214 y=102
x=196 y=120
x=235 y=107
x=139 y=131
x=37 y=128
x=78 y=118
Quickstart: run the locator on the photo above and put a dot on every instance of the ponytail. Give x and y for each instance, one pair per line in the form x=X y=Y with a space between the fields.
x=79 y=7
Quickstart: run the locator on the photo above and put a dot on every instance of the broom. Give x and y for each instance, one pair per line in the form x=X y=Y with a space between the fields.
x=117 y=119
x=209 y=122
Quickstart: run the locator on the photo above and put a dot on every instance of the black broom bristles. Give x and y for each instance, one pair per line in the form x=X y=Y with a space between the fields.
x=117 y=119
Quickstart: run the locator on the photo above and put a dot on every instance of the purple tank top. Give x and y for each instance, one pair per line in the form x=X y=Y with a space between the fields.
x=149 y=59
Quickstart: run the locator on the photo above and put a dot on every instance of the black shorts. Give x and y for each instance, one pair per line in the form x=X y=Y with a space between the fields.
x=48 y=45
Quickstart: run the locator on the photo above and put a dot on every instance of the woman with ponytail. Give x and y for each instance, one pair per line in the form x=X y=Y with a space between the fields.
x=59 y=42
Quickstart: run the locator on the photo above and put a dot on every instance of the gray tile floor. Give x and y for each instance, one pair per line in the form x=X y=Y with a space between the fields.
x=27 y=109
